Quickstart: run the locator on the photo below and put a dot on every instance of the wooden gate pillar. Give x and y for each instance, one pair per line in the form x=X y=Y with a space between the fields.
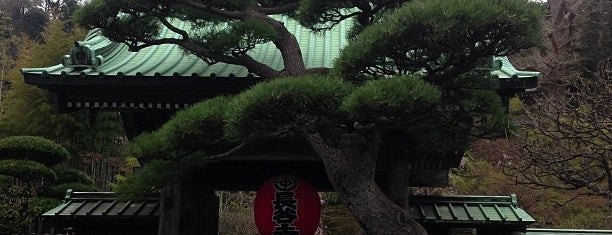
x=188 y=208
x=401 y=176
x=398 y=183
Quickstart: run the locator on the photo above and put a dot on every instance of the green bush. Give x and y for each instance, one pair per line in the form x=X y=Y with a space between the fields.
x=65 y=175
x=5 y=181
x=15 y=215
x=40 y=205
x=26 y=170
x=33 y=148
x=59 y=191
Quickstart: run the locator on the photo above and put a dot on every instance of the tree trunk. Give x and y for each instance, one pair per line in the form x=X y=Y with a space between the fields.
x=608 y=168
x=286 y=43
x=351 y=171
x=188 y=208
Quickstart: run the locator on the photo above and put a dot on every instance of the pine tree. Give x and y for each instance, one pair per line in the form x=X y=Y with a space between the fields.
x=409 y=72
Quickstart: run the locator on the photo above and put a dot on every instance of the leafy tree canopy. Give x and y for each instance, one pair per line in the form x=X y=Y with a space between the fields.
x=567 y=142
x=27 y=17
x=28 y=111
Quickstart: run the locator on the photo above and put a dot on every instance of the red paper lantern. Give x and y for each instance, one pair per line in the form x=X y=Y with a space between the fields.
x=287 y=205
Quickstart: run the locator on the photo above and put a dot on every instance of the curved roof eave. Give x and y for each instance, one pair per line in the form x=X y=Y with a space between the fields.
x=505 y=69
x=169 y=60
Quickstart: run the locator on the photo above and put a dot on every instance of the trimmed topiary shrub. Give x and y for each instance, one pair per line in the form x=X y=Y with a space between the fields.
x=65 y=175
x=26 y=170
x=33 y=148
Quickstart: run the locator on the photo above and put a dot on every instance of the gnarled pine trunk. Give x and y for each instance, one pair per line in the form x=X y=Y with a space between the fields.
x=351 y=171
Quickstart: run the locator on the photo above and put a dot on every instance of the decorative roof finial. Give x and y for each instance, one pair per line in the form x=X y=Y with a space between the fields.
x=82 y=57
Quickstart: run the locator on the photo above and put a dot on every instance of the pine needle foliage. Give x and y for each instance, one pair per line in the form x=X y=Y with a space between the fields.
x=474 y=95
x=149 y=145
x=316 y=14
x=390 y=98
x=238 y=37
x=199 y=126
x=150 y=178
x=440 y=38
x=283 y=105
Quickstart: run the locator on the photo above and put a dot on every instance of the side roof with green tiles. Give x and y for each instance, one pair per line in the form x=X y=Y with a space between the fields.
x=104 y=205
x=448 y=211
x=474 y=210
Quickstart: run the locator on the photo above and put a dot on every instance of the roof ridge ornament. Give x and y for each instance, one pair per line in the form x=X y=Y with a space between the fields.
x=82 y=57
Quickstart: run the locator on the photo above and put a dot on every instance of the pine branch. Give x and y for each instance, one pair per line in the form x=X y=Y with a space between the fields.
x=214 y=10
x=165 y=22
x=219 y=157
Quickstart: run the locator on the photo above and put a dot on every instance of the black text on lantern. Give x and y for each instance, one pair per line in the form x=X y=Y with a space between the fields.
x=285 y=206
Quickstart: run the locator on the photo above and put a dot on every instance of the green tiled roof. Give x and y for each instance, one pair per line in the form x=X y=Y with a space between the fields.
x=472 y=210
x=500 y=212
x=104 y=205
x=164 y=77
x=167 y=60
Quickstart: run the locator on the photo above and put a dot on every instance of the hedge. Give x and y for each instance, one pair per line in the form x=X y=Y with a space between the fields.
x=26 y=170
x=33 y=148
